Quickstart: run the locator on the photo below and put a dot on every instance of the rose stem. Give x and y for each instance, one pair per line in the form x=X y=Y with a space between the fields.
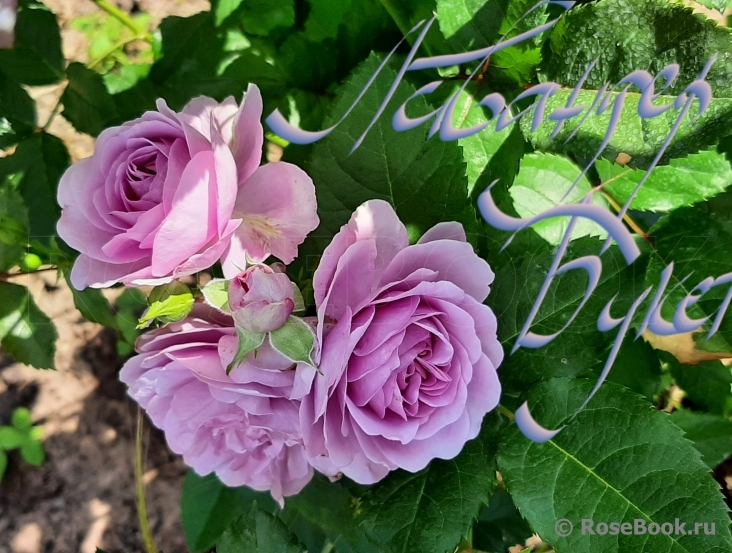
x=140 y=483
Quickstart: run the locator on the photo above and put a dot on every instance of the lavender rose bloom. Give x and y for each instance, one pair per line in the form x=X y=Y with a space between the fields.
x=408 y=350
x=169 y=194
x=243 y=426
x=8 y=15
x=261 y=299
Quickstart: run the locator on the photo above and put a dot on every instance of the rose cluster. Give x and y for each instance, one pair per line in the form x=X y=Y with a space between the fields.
x=397 y=365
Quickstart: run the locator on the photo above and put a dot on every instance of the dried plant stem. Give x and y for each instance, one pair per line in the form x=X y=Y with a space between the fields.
x=140 y=484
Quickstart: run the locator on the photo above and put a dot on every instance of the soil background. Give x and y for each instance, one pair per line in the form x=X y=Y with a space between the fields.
x=83 y=496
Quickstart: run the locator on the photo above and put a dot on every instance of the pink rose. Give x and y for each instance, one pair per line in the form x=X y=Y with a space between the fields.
x=409 y=352
x=261 y=299
x=8 y=15
x=169 y=194
x=243 y=426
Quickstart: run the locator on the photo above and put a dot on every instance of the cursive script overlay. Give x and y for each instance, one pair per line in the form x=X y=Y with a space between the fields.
x=608 y=98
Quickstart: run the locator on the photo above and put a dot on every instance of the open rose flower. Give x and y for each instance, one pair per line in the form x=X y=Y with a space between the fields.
x=408 y=350
x=169 y=194
x=243 y=426
x=261 y=299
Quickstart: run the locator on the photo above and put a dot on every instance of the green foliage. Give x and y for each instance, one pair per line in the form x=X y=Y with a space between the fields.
x=620 y=453
x=708 y=385
x=167 y=303
x=208 y=508
x=429 y=511
x=545 y=181
x=424 y=179
x=26 y=332
x=712 y=435
x=685 y=181
x=259 y=532
x=295 y=340
x=24 y=436
x=87 y=104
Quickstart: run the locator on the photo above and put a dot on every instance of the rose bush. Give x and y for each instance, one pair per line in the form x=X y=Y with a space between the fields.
x=408 y=350
x=243 y=426
x=169 y=194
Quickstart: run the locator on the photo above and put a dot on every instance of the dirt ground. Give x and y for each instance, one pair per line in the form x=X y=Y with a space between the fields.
x=82 y=497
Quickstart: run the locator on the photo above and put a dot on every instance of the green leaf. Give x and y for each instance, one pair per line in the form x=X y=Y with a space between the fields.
x=684 y=182
x=425 y=180
x=474 y=24
x=216 y=294
x=629 y=462
x=17 y=112
x=636 y=367
x=712 y=435
x=87 y=104
x=298 y=299
x=223 y=9
x=258 y=532
x=33 y=453
x=431 y=510
x=295 y=340
x=3 y=464
x=541 y=184
x=37 y=164
x=22 y=419
x=168 y=303
x=500 y=525
x=481 y=149
x=628 y=35
x=325 y=18
x=697 y=242
x=128 y=307
x=260 y=17
x=13 y=225
x=520 y=272
x=708 y=384
x=325 y=508
x=37 y=58
x=92 y=304
x=208 y=508
x=11 y=438
x=719 y=5
x=248 y=342
x=639 y=138
x=26 y=332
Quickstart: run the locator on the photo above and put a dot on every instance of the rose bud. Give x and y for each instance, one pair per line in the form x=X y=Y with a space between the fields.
x=261 y=299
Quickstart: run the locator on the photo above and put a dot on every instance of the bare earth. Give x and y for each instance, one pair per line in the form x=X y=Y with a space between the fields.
x=83 y=496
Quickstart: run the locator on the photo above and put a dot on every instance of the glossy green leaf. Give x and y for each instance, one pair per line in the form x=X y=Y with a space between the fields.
x=37 y=58
x=92 y=304
x=474 y=24
x=708 y=384
x=13 y=224
x=626 y=35
x=711 y=434
x=216 y=294
x=425 y=180
x=629 y=462
x=208 y=508
x=545 y=181
x=258 y=532
x=697 y=242
x=223 y=9
x=685 y=181
x=3 y=463
x=38 y=163
x=325 y=18
x=639 y=138
x=431 y=510
x=26 y=332
x=87 y=104
x=295 y=340
x=500 y=525
x=17 y=112
x=168 y=303
x=637 y=367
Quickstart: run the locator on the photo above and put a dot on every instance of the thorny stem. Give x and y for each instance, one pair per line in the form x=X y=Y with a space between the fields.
x=507 y=412
x=123 y=18
x=140 y=483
